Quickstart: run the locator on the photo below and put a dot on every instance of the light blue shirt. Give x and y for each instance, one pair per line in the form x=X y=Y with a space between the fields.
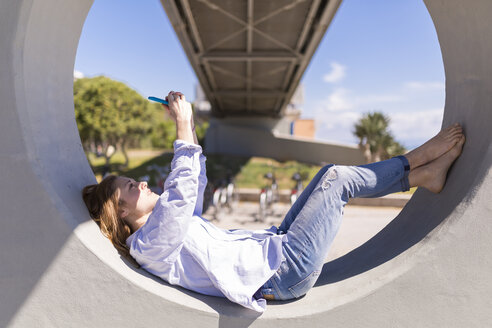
x=179 y=246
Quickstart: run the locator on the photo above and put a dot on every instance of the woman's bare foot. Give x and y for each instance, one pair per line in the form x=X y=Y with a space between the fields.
x=433 y=175
x=435 y=147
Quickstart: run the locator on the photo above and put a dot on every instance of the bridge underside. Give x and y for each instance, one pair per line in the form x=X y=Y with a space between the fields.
x=249 y=56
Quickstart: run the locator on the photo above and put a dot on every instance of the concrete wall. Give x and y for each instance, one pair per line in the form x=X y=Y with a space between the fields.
x=259 y=136
x=430 y=267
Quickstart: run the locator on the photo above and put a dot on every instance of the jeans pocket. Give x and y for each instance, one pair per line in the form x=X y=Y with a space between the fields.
x=303 y=286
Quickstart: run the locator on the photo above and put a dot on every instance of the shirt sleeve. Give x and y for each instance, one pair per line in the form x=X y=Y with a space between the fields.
x=202 y=184
x=168 y=223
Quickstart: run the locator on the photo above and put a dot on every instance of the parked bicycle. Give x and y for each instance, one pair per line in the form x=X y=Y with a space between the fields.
x=268 y=196
x=225 y=196
x=297 y=189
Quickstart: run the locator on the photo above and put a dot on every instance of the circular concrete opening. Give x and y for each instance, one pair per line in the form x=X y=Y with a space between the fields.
x=38 y=80
x=354 y=232
x=338 y=271
x=353 y=272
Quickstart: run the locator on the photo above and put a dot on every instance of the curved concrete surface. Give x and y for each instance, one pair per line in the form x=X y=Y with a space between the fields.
x=430 y=267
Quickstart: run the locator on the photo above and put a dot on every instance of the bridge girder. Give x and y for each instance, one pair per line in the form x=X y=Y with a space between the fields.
x=247 y=60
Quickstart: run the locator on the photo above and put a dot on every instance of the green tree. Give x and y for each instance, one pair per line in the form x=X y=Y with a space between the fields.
x=375 y=139
x=164 y=131
x=163 y=134
x=110 y=115
x=201 y=131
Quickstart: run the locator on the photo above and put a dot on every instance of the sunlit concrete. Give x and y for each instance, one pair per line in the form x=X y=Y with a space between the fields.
x=430 y=267
x=257 y=136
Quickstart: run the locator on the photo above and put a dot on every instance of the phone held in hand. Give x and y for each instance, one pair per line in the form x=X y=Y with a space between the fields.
x=159 y=100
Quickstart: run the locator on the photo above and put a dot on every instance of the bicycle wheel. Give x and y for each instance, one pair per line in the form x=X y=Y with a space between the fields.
x=293 y=198
x=232 y=197
x=263 y=206
x=216 y=202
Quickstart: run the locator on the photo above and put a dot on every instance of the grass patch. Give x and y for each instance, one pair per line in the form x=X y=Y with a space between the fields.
x=252 y=174
x=411 y=191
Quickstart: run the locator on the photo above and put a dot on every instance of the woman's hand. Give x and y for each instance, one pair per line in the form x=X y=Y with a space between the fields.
x=179 y=109
x=182 y=114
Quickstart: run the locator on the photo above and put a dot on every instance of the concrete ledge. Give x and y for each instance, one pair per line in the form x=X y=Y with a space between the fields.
x=394 y=200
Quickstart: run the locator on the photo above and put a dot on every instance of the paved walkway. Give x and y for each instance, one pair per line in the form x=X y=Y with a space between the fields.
x=360 y=223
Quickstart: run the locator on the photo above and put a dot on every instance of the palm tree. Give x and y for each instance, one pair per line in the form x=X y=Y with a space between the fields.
x=375 y=140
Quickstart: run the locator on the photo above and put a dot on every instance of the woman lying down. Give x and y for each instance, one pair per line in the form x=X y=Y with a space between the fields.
x=167 y=236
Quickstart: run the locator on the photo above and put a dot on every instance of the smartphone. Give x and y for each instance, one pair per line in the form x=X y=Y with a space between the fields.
x=159 y=100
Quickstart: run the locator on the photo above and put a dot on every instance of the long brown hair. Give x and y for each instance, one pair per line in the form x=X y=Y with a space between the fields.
x=102 y=201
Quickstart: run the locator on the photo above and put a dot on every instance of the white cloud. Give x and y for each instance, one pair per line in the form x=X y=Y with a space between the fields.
x=409 y=128
x=342 y=99
x=336 y=126
x=413 y=128
x=419 y=85
x=335 y=117
x=338 y=100
x=375 y=100
x=338 y=112
x=337 y=73
x=78 y=75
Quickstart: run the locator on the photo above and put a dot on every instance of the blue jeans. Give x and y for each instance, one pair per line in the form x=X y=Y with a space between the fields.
x=314 y=219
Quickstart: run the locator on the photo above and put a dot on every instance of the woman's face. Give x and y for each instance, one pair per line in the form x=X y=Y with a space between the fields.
x=138 y=199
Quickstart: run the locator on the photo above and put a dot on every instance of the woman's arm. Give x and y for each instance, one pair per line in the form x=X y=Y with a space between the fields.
x=202 y=178
x=168 y=223
x=182 y=114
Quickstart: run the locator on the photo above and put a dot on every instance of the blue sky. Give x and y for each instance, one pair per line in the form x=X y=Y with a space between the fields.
x=377 y=55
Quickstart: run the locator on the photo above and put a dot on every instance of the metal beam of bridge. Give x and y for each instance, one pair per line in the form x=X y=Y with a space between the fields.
x=249 y=56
